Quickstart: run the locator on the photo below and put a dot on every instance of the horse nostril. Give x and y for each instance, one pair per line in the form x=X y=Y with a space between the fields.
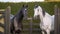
x=34 y=17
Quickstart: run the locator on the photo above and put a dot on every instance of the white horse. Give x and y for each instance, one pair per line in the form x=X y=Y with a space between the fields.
x=47 y=21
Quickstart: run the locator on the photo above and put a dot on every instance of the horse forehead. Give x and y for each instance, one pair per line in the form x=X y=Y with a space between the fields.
x=40 y=7
x=36 y=9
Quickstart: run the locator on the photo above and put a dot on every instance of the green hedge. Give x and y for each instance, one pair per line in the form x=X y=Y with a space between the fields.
x=48 y=6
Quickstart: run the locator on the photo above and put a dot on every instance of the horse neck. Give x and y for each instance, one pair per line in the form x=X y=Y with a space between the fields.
x=19 y=17
x=41 y=16
x=47 y=14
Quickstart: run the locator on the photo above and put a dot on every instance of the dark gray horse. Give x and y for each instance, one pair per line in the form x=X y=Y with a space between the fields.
x=16 y=22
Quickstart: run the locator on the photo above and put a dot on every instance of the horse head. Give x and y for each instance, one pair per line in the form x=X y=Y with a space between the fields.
x=24 y=11
x=38 y=11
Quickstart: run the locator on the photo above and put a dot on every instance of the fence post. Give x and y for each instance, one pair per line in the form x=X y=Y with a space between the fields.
x=30 y=20
x=57 y=20
x=7 y=20
x=30 y=25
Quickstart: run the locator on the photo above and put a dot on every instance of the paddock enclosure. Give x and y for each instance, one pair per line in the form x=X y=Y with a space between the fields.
x=4 y=20
x=30 y=25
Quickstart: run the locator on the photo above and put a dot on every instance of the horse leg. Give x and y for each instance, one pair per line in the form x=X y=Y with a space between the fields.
x=18 y=32
x=43 y=32
x=13 y=32
x=48 y=31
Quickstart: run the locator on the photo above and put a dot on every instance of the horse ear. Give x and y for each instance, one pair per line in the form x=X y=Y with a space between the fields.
x=23 y=5
x=26 y=6
x=36 y=6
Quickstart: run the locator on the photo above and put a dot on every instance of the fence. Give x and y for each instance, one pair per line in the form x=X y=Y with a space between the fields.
x=57 y=20
x=31 y=25
x=5 y=20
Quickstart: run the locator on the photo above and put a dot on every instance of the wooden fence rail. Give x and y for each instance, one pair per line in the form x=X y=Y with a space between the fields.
x=5 y=20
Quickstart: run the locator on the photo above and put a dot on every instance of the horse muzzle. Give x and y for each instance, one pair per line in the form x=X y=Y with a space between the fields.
x=36 y=17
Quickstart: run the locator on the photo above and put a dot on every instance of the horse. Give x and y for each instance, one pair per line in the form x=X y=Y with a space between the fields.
x=16 y=25
x=47 y=20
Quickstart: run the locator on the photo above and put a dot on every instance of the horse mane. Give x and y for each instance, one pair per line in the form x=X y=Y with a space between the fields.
x=43 y=12
x=19 y=16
